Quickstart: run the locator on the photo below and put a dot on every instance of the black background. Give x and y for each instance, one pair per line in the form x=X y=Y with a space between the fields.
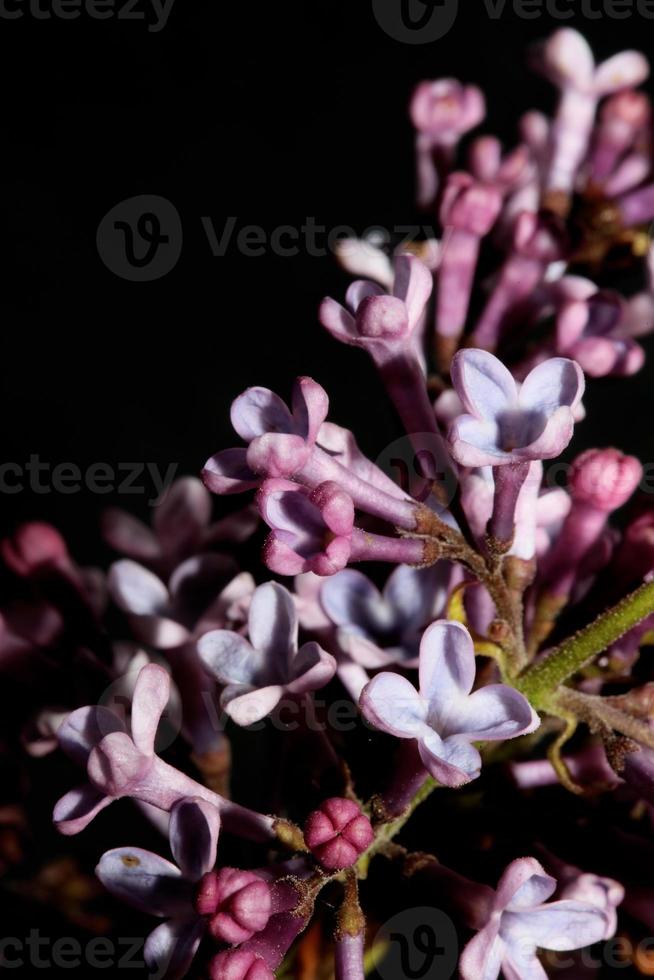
x=270 y=113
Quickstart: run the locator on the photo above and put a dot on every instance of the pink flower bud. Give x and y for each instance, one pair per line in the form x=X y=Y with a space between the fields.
x=382 y=317
x=470 y=206
x=238 y=902
x=33 y=547
x=239 y=964
x=338 y=833
x=604 y=478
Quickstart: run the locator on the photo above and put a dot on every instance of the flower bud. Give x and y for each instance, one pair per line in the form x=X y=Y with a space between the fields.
x=238 y=903
x=604 y=478
x=338 y=833
x=239 y=964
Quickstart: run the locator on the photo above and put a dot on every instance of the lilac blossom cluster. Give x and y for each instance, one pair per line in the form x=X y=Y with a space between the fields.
x=511 y=621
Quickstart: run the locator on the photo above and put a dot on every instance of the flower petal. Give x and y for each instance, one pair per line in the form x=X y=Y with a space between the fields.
x=144 y=880
x=273 y=623
x=560 y=925
x=523 y=885
x=229 y=657
x=452 y=761
x=137 y=590
x=392 y=704
x=447 y=665
x=248 y=706
x=84 y=728
x=366 y=653
x=338 y=321
x=475 y=443
x=493 y=712
x=484 y=385
x=170 y=948
x=481 y=958
x=310 y=407
x=413 y=284
x=311 y=669
x=418 y=594
x=258 y=411
x=151 y=694
x=625 y=70
x=352 y=601
x=75 y=811
x=126 y=534
x=551 y=384
x=183 y=514
x=194 y=828
x=228 y=472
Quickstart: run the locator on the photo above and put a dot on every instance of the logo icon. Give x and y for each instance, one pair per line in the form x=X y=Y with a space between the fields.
x=418 y=944
x=140 y=239
x=416 y=21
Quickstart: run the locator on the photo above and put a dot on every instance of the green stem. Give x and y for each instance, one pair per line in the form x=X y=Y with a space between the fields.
x=539 y=681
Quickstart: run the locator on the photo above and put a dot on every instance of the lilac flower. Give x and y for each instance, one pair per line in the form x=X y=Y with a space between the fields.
x=521 y=922
x=378 y=628
x=313 y=531
x=201 y=595
x=376 y=321
x=286 y=444
x=152 y=884
x=259 y=673
x=122 y=765
x=568 y=61
x=593 y=332
x=181 y=527
x=509 y=423
x=442 y=112
x=443 y=716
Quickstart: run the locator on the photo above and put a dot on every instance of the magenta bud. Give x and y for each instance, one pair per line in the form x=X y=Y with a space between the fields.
x=470 y=206
x=604 y=478
x=239 y=964
x=382 y=318
x=34 y=546
x=338 y=833
x=238 y=903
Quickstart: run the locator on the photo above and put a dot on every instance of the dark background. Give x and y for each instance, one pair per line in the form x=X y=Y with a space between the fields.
x=272 y=114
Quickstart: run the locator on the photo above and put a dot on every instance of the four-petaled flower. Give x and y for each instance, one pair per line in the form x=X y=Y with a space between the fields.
x=260 y=673
x=507 y=422
x=520 y=923
x=152 y=884
x=443 y=715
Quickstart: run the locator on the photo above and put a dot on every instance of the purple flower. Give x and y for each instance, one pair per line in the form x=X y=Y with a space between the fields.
x=376 y=321
x=445 y=109
x=378 y=628
x=152 y=884
x=593 y=332
x=311 y=529
x=181 y=527
x=521 y=922
x=443 y=715
x=280 y=440
x=259 y=673
x=122 y=765
x=509 y=422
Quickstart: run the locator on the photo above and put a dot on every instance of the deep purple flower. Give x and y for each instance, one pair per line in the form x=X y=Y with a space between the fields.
x=521 y=922
x=156 y=886
x=259 y=673
x=443 y=716
x=511 y=423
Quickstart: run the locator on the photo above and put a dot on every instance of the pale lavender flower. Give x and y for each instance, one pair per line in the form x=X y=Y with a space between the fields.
x=259 y=673
x=507 y=422
x=155 y=885
x=521 y=922
x=444 y=716
x=376 y=629
x=121 y=765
